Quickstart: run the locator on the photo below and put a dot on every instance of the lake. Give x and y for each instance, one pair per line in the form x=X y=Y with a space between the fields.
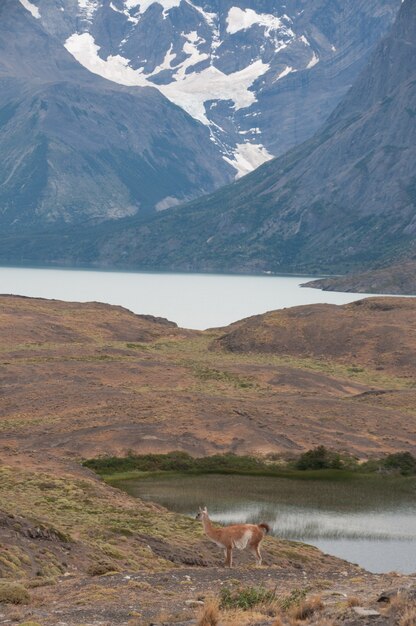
x=369 y=521
x=196 y=301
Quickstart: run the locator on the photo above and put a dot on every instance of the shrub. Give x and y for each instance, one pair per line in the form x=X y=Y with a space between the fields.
x=402 y=462
x=100 y=568
x=319 y=458
x=209 y=615
x=295 y=597
x=245 y=598
x=13 y=593
x=307 y=608
x=177 y=461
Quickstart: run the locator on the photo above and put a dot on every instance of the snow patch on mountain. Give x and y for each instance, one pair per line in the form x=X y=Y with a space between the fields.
x=247 y=157
x=189 y=91
x=167 y=203
x=31 y=8
x=88 y=8
x=194 y=90
x=125 y=12
x=314 y=60
x=242 y=19
x=166 y=63
x=145 y=4
x=115 y=68
x=190 y=48
x=288 y=69
x=210 y=18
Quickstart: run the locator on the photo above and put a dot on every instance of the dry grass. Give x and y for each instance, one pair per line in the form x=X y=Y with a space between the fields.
x=237 y=617
x=17 y=613
x=91 y=518
x=13 y=593
x=408 y=618
x=353 y=601
x=107 y=369
x=306 y=608
x=403 y=610
x=209 y=614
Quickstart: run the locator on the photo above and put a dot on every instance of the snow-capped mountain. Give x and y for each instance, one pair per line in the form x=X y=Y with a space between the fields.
x=344 y=199
x=220 y=61
x=110 y=107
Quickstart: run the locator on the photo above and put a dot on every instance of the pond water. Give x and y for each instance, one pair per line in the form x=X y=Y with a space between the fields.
x=368 y=521
x=191 y=300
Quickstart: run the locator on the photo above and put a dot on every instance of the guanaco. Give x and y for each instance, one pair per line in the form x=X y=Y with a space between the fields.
x=240 y=536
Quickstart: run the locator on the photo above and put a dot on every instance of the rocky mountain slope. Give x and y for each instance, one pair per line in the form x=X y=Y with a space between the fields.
x=398 y=279
x=78 y=147
x=344 y=198
x=109 y=109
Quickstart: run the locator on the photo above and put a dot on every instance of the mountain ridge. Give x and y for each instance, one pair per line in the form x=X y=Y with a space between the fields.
x=343 y=199
x=188 y=94
x=57 y=109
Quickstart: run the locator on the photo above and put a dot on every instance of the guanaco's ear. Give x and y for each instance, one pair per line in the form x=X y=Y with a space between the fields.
x=205 y=509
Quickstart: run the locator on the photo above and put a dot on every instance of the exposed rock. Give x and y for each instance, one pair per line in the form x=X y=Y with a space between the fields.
x=406 y=592
x=362 y=612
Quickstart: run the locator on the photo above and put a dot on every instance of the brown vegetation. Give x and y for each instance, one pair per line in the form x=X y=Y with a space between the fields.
x=13 y=593
x=90 y=379
x=83 y=380
x=210 y=613
x=372 y=333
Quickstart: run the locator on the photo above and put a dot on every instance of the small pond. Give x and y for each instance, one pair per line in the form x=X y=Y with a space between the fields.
x=369 y=521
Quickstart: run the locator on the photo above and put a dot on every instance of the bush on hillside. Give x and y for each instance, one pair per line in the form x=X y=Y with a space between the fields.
x=402 y=462
x=13 y=593
x=319 y=458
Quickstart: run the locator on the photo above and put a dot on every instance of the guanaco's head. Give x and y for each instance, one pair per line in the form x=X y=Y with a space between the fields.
x=202 y=513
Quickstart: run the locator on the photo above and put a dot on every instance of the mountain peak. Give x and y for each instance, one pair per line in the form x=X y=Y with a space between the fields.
x=116 y=108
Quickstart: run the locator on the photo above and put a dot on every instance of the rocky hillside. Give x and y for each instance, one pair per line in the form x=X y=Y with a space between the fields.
x=375 y=332
x=344 y=199
x=90 y=379
x=398 y=279
x=111 y=109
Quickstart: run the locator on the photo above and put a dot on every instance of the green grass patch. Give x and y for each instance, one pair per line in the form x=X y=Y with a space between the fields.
x=212 y=374
x=294 y=598
x=316 y=464
x=177 y=462
x=245 y=598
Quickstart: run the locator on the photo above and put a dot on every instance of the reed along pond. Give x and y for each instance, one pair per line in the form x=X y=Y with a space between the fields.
x=367 y=520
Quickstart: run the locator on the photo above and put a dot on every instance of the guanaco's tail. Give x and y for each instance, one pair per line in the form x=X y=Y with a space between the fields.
x=264 y=527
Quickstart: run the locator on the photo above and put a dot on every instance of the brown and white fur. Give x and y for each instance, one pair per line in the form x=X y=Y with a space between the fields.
x=240 y=536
